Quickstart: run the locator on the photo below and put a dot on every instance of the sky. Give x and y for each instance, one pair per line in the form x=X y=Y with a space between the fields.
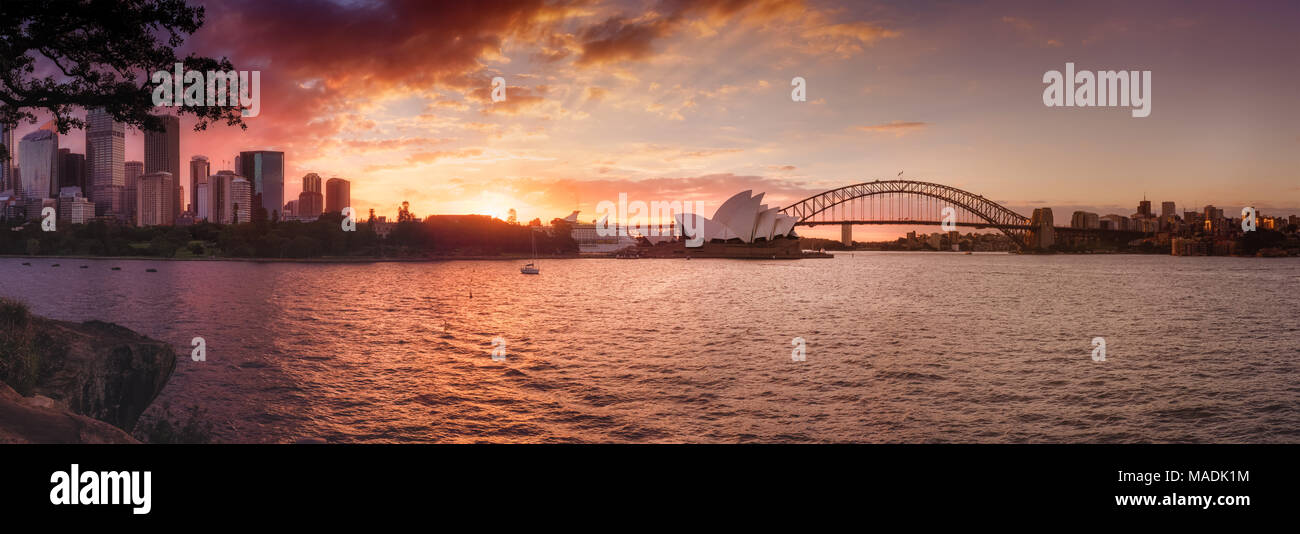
x=691 y=101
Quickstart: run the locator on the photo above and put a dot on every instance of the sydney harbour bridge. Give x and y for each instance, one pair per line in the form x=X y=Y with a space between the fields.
x=911 y=202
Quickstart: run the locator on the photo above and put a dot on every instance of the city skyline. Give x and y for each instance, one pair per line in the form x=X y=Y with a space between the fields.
x=613 y=103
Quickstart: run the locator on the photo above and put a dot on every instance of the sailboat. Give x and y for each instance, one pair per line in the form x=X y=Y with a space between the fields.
x=531 y=267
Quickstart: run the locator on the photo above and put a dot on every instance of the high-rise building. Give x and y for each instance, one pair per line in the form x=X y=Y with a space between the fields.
x=10 y=151
x=264 y=169
x=105 y=154
x=203 y=202
x=1085 y=220
x=310 y=204
x=38 y=154
x=162 y=153
x=199 y=171
x=338 y=195
x=1144 y=208
x=1168 y=209
x=219 y=196
x=241 y=200
x=154 y=197
x=72 y=170
x=311 y=183
x=290 y=209
x=132 y=171
x=73 y=207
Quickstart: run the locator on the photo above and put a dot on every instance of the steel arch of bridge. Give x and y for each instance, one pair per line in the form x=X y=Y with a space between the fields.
x=987 y=212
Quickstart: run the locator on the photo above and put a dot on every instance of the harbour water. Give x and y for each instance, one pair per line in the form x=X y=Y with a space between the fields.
x=900 y=347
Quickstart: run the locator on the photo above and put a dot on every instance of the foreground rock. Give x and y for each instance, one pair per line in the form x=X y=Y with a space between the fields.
x=35 y=420
x=98 y=370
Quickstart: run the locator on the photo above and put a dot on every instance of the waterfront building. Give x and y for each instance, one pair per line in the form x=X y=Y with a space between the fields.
x=162 y=153
x=131 y=171
x=203 y=202
x=154 y=196
x=240 y=200
x=73 y=207
x=310 y=204
x=72 y=169
x=200 y=169
x=1085 y=220
x=105 y=154
x=338 y=195
x=264 y=170
x=38 y=155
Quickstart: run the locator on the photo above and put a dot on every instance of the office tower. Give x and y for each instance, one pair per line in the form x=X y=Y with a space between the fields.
x=38 y=154
x=72 y=170
x=310 y=204
x=131 y=171
x=291 y=209
x=1144 y=208
x=73 y=207
x=199 y=171
x=241 y=200
x=338 y=195
x=264 y=169
x=154 y=196
x=105 y=154
x=1167 y=209
x=311 y=182
x=162 y=153
x=7 y=164
x=219 y=196
x=202 y=202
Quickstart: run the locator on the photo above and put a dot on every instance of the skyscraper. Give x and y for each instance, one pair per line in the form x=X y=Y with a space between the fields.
x=162 y=153
x=311 y=183
x=7 y=164
x=310 y=204
x=203 y=202
x=132 y=170
x=1168 y=209
x=241 y=199
x=199 y=171
x=154 y=197
x=38 y=154
x=264 y=169
x=105 y=153
x=338 y=195
x=1144 y=208
x=72 y=170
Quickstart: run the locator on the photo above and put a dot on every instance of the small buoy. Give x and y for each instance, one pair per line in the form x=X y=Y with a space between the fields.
x=27 y=263
x=55 y=265
x=117 y=268
x=151 y=270
x=85 y=266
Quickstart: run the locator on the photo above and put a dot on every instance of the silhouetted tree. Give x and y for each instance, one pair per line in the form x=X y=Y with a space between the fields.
x=104 y=52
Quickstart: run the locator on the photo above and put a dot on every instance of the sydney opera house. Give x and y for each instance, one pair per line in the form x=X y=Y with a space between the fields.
x=742 y=217
x=742 y=227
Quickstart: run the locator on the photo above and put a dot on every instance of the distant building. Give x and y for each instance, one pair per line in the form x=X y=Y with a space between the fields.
x=1144 y=208
x=105 y=154
x=1085 y=220
x=310 y=204
x=1117 y=222
x=200 y=169
x=241 y=200
x=154 y=197
x=132 y=171
x=221 y=203
x=264 y=170
x=162 y=153
x=73 y=207
x=72 y=169
x=291 y=209
x=7 y=165
x=338 y=195
x=311 y=182
x=1168 y=209
x=38 y=155
x=203 y=202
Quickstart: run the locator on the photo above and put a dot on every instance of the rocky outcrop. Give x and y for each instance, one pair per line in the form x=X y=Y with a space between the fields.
x=37 y=419
x=94 y=369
